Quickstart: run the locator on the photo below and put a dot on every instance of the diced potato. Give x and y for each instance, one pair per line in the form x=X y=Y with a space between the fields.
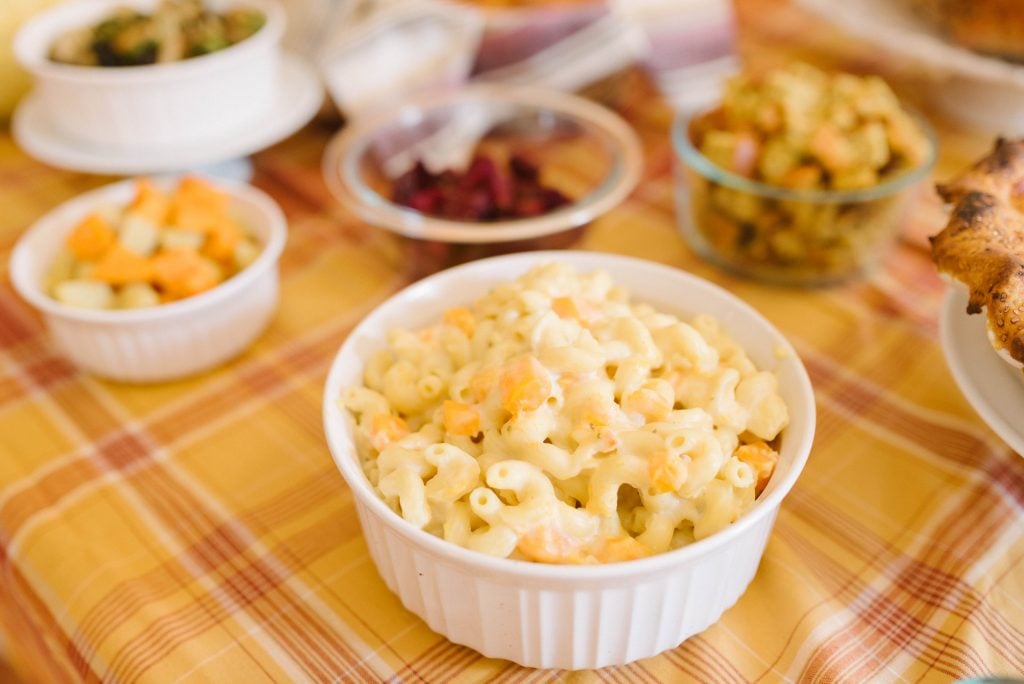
x=137 y=295
x=83 y=269
x=246 y=252
x=138 y=233
x=111 y=213
x=173 y=238
x=62 y=268
x=85 y=294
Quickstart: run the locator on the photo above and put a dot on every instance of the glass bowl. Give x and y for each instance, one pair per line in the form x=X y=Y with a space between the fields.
x=579 y=148
x=782 y=235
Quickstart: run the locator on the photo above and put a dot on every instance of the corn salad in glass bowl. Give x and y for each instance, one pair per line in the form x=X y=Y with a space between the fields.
x=799 y=176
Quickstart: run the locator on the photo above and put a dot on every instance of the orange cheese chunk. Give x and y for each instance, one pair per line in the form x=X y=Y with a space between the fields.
x=224 y=236
x=667 y=472
x=91 y=238
x=762 y=458
x=198 y=206
x=460 y=419
x=550 y=544
x=120 y=266
x=481 y=384
x=524 y=384
x=622 y=548
x=386 y=429
x=182 y=273
x=462 y=318
x=150 y=202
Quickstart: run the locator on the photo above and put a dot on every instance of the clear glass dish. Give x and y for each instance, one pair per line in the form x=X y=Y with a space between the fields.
x=786 y=236
x=580 y=148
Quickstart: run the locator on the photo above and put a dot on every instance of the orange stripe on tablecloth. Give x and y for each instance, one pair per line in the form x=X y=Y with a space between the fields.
x=261 y=379
x=645 y=673
x=795 y=502
x=241 y=588
x=937 y=586
x=256 y=380
x=17 y=325
x=187 y=515
x=850 y=587
x=701 y=645
x=49 y=370
x=919 y=580
x=689 y=663
x=50 y=488
x=80 y=405
x=128 y=597
x=40 y=621
x=636 y=672
x=452 y=662
x=422 y=665
x=322 y=484
x=124 y=601
x=1009 y=639
x=11 y=389
x=872 y=404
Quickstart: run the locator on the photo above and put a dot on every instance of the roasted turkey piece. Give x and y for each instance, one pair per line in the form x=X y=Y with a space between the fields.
x=983 y=243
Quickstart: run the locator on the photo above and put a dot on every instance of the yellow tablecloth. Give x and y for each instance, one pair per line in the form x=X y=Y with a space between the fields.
x=199 y=530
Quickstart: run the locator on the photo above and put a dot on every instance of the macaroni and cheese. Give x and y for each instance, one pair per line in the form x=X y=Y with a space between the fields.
x=554 y=420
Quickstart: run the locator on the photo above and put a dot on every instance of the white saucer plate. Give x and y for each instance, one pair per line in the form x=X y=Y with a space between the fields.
x=993 y=387
x=299 y=97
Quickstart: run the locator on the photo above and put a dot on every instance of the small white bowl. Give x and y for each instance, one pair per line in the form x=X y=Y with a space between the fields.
x=574 y=617
x=162 y=342
x=156 y=105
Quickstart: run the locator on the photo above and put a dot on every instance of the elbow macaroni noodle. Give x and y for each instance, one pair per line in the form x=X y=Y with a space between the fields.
x=555 y=421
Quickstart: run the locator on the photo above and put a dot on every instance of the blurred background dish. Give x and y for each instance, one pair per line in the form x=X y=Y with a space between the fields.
x=193 y=100
x=193 y=112
x=579 y=148
x=799 y=176
x=979 y=89
x=991 y=385
x=397 y=52
x=298 y=96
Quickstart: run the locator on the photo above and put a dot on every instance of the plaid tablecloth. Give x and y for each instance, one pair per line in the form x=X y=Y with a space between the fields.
x=198 y=530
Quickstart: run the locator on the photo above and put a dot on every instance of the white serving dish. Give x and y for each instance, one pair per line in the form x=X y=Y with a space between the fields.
x=170 y=340
x=186 y=102
x=992 y=382
x=573 y=617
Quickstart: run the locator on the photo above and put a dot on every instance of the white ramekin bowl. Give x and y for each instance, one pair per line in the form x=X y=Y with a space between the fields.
x=159 y=105
x=161 y=342
x=572 y=617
